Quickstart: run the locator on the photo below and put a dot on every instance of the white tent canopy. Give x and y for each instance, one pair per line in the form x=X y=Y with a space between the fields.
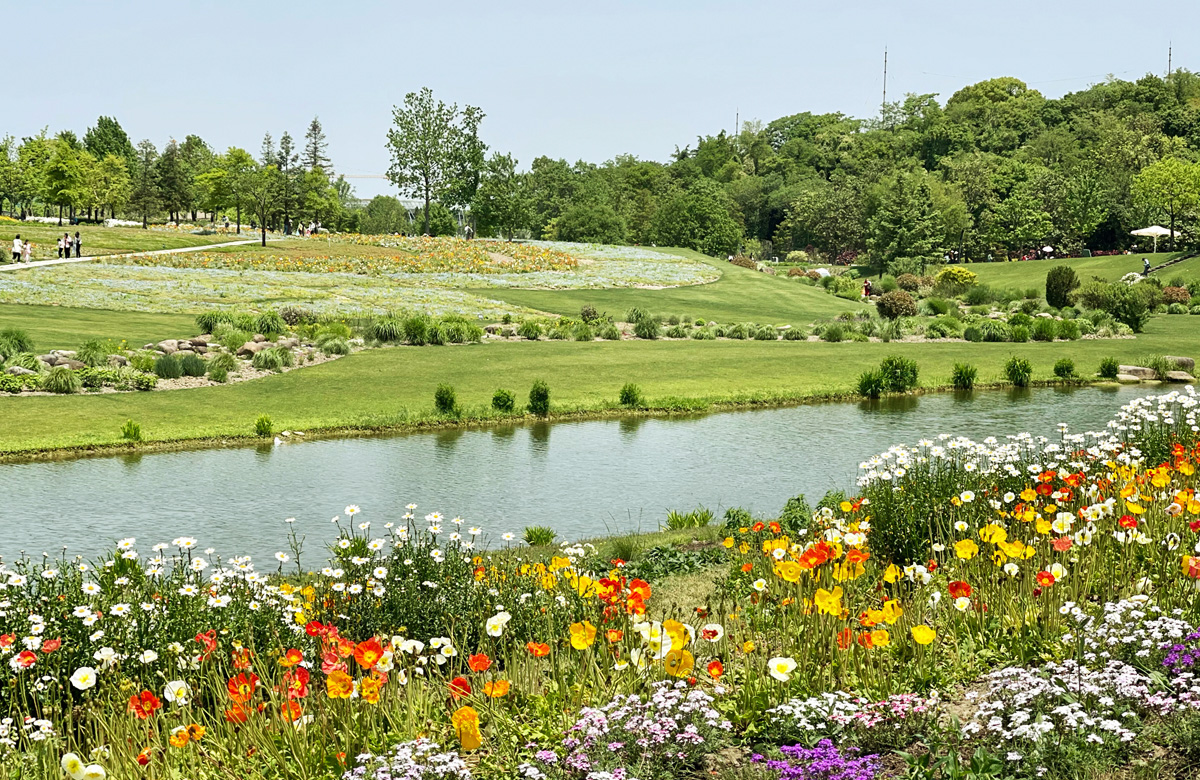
x=1155 y=231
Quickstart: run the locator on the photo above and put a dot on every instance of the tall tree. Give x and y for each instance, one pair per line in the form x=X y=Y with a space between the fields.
x=197 y=158
x=64 y=177
x=262 y=187
x=114 y=185
x=289 y=179
x=144 y=196
x=904 y=233
x=1019 y=223
x=502 y=201
x=174 y=185
x=316 y=148
x=108 y=137
x=1171 y=185
x=433 y=148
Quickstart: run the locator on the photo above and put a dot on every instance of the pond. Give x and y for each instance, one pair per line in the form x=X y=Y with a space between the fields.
x=584 y=479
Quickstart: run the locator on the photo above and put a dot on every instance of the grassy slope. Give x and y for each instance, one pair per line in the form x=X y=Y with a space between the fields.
x=100 y=240
x=1032 y=273
x=59 y=327
x=393 y=387
x=740 y=295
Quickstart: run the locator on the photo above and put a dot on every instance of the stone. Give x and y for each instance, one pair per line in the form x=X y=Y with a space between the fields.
x=181 y=354
x=200 y=341
x=48 y=359
x=1180 y=376
x=259 y=338
x=1045 y=315
x=169 y=346
x=63 y=353
x=289 y=343
x=118 y=360
x=1128 y=379
x=492 y=329
x=19 y=371
x=1141 y=372
x=1184 y=363
x=201 y=349
x=74 y=365
x=251 y=348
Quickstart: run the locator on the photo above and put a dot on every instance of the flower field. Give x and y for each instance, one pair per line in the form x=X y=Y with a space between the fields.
x=1025 y=608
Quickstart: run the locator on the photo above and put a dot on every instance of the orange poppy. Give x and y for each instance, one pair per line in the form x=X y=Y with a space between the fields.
x=716 y=669
x=479 y=662
x=959 y=589
x=242 y=658
x=368 y=653
x=339 y=685
x=241 y=688
x=459 y=687
x=369 y=689
x=538 y=649
x=614 y=635
x=496 y=689
x=1045 y=579
x=292 y=657
x=144 y=704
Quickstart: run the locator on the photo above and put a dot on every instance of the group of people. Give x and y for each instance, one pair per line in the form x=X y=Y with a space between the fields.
x=66 y=243
x=22 y=251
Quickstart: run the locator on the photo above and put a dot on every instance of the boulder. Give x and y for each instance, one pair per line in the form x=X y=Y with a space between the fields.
x=252 y=348
x=63 y=353
x=1045 y=315
x=74 y=365
x=181 y=354
x=1141 y=372
x=1128 y=379
x=492 y=329
x=18 y=371
x=1184 y=363
x=260 y=338
x=200 y=349
x=289 y=343
x=48 y=359
x=200 y=341
x=1180 y=376
x=169 y=346
x=118 y=360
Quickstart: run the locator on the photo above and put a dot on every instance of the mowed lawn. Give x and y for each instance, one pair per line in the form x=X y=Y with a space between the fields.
x=740 y=295
x=60 y=327
x=99 y=240
x=394 y=387
x=1026 y=274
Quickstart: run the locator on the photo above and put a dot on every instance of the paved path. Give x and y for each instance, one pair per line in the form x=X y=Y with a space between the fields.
x=64 y=260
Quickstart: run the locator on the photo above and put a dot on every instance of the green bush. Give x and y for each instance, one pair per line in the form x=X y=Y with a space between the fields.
x=539 y=536
x=1061 y=281
x=445 y=401
x=973 y=333
x=1068 y=330
x=168 y=367
x=144 y=381
x=980 y=295
x=590 y=316
x=1109 y=368
x=13 y=341
x=218 y=374
x=296 y=315
x=635 y=314
x=704 y=334
x=61 y=379
x=336 y=347
x=677 y=332
x=1159 y=364
x=208 y=321
x=737 y=331
x=1018 y=371
x=246 y=322
x=504 y=400
x=897 y=303
x=963 y=376
x=1018 y=334
x=131 y=431
x=1177 y=308
x=994 y=330
x=583 y=332
x=610 y=332
x=224 y=360
x=766 y=333
x=95 y=352
x=270 y=324
x=888 y=284
x=938 y=307
x=794 y=334
x=193 y=365
x=697 y=518
x=871 y=383
x=833 y=333
x=417 y=329
x=267 y=360
x=954 y=280
x=1020 y=319
x=263 y=426
x=1065 y=369
x=1044 y=329
x=386 y=329
x=908 y=282
x=233 y=339
x=338 y=330
x=647 y=328
x=26 y=360
x=631 y=395
x=899 y=373
x=539 y=399
x=530 y=329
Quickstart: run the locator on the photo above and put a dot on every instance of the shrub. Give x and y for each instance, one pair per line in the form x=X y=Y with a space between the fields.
x=793 y=272
x=871 y=383
x=218 y=374
x=193 y=365
x=143 y=361
x=704 y=334
x=26 y=360
x=980 y=295
x=888 y=284
x=530 y=329
x=583 y=332
x=168 y=367
x=994 y=330
x=538 y=536
x=245 y=321
x=899 y=373
x=973 y=333
x=1069 y=330
x=1065 y=369
x=296 y=315
x=335 y=346
x=766 y=333
x=1160 y=365
x=1177 y=308
x=797 y=256
x=631 y=395
x=677 y=332
x=143 y=381
x=697 y=518
x=95 y=352
x=896 y=303
x=386 y=329
x=635 y=314
x=589 y=315
x=745 y=262
x=833 y=333
x=224 y=360
x=938 y=306
x=1061 y=281
x=539 y=399
x=1018 y=334
x=610 y=332
x=270 y=324
x=267 y=360
x=61 y=379
x=208 y=321
x=417 y=329
x=263 y=425
x=504 y=400
x=14 y=341
x=1176 y=295
x=647 y=328
x=335 y=330
x=954 y=279
x=1018 y=371
x=737 y=331
x=233 y=339
x=445 y=401
x=1020 y=318
x=794 y=334
x=1109 y=368
x=131 y=431
x=1044 y=329
x=963 y=375
x=908 y=282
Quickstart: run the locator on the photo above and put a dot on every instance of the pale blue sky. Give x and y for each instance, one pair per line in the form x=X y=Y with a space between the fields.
x=574 y=80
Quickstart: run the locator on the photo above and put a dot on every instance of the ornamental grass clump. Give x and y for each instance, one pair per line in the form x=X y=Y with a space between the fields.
x=963 y=376
x=1018 y=371
x=445 y=401
x=61 y=379
x=168 y=367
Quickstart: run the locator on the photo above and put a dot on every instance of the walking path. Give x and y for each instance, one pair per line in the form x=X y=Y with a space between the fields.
x=64 y=260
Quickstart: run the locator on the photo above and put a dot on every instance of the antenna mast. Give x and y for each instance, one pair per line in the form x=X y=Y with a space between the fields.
x=1168 y=58
x=885 y=75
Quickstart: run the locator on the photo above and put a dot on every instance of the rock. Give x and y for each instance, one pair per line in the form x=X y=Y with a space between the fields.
x=1180 y=376
x=1184 y=363
x=19 y=371
x=200 y=341
x=289 y=343
x=251 y=348
x=181 y=354
x=169 y=346
x=1141 y=372
x=48 y=359
x=259 y=338
x=492 y=329
x=148 y=346
x=74 y=365
x=1045 y=315
x=63 y=353
x=1128 y=379
x=118 y=360
x=201 y=349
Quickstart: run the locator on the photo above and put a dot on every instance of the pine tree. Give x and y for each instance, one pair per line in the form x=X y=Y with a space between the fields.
x=903 y=232
x=144 y=198
x=289 y=184
x=315 y=147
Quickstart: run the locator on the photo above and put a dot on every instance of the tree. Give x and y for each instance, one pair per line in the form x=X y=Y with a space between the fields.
x=64 y=177
x=262 y=192
x=829 y=217
x=700 y=217
x=289 y=186
x=174 y=185
x=904 y=236
x=1019 y=223
x=144 y=197
x=435 y=149
x=502 y=202
x=1171 y=185
x=10 y=179
x=108 y=137
x=384 y=214
x=315 y=147
x=197 y=158
x=114 y=185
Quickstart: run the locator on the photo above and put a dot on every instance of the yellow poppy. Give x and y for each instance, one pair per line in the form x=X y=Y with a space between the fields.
x=790 y=571
x=880 y=638
x=466 y=726
x=892 y=612
x=582 y=635
x=923 y=634
x=966 y=549
x=992 y=533
x=679 y=663
x=829 y=602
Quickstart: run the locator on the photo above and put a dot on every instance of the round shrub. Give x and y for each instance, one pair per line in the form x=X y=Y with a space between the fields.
x=218 y=374
x=995 y=330
x=1194 y=310
x=973 y=333
x=539 y=399
x=1069 y=330
x=233 y=339
x=61 y=379
x=704 y=334
x=833 y=333
x=530 y=329
x=896 y=303
x=1018 y=334
x=794 y=334
x=1109 y=368
x=95 y=352
x=1065 y=369
x=336 y=346
x=631 y=395
x=954 y=279
x=26 y=360
x=1061 y=281
x=444 y=400
x=647 y=328
x=899 y=373
x=416 y=329
x=504 y=400
x=1018 y=371
x=1177 y=308
x=193 y=365
x=963 y=376
x=168 y=367
x=583 y=332
x=610 y=332
x=1044 y=329
x=13 y=341
x=144 y=361
x=797 y=256
x=1020 y=318
x=1175 y=295
x=245 y=321
x=296 y=315
x=938 y=307
x=980 y=295
x=871 y=383
x=908 y=282
x=766 y=333
x=793 y=272
x=677 y=332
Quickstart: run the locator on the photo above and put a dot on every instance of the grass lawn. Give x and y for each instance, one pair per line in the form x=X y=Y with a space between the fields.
x=394 y=387
x=99 y=240
x=60 y=327
x=1032 y=273
x=740 y=295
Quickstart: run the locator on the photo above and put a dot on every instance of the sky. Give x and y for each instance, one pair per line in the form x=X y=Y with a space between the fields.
x=581 y=81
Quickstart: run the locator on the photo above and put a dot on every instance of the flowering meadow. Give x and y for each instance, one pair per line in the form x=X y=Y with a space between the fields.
x=1021 y=608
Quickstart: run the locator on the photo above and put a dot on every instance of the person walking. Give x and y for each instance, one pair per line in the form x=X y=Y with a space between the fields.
x=1145 y=266
x=78 y=244
x=27 y=252
x=17 y=247
x=60 y=247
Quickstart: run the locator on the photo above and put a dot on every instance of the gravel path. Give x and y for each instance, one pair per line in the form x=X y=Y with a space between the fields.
x=64 y=260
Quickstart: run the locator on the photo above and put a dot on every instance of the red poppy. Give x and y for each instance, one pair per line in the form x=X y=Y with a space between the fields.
x=959 y=589
x=1045 y=579
x=775 y=528
x=757 y=527
x=208 y=641
x=25 y=659
x=241 y=688
x=242 y=658
x=479 y=662
x=237 y=714
x=1194 y=525
x=1128 y=521
x=459 y=687
x=865 y=639
x=844 y=638
x=1062 y=543
x=716 y=669
x=291 y=657
x=538 y=649
x=295 y=683
x=144 y=704
x=143 y=757
x=314 y=628
x=6 y=640
x=50 y=645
